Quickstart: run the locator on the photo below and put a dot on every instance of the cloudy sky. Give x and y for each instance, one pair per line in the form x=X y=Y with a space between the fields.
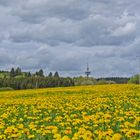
x=62 y=35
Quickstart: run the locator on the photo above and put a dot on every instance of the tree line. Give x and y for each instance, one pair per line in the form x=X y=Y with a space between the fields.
x=17 y=79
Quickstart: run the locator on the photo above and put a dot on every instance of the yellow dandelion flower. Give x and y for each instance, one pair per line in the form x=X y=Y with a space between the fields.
x=117 y=136
x=65 y=137
x=31 y=136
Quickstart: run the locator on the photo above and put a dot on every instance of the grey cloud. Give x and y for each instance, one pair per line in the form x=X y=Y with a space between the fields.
x=51 y=31
x=94 y=30
x=36 y=11
x=60 y=35
x=5 y=58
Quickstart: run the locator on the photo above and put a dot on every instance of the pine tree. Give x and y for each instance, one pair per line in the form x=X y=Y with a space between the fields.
x=12 y=72
x=50 y=74
x=40 y=73
x=18 y=71
x=28 y=74
x=56 y=74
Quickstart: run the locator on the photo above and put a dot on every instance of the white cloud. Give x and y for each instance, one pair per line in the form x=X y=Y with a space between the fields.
x=125 y=30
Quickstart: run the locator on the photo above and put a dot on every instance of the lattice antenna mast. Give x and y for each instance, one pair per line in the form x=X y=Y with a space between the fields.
x=87 y=71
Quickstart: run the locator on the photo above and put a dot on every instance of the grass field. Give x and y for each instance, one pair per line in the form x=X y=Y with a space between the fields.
x=105 y=112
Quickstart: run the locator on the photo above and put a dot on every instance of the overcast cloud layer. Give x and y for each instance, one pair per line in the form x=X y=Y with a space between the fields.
x=62 y=36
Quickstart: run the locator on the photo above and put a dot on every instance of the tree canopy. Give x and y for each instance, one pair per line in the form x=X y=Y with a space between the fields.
x=17 y=79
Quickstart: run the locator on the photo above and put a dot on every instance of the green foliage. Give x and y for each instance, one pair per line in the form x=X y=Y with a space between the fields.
x=27 y=74
x=50 y=74
x=102 y=82
x=40 y=73
x=4 y=74
x=118 y=80
x=84 y=81
x=18 y=71
x=12 y=73
x=56 y=75
x=134 y=79
x=6 y=89
x=17 y=79
x=35 y=82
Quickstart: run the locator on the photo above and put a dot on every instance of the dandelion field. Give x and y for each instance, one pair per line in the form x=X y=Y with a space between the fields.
x=104 y=112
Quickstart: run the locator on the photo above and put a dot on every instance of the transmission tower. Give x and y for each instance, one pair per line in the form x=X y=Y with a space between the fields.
x=87 y=72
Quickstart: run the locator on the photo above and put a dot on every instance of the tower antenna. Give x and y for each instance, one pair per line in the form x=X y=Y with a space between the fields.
x=87 y=72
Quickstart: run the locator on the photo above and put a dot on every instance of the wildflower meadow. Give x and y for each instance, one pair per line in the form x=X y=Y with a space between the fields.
x=103 y=112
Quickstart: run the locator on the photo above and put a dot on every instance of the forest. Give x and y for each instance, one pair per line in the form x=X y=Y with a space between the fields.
x=17 y=79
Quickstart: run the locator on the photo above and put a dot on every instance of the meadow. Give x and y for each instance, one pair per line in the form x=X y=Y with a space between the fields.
x=101 y=112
